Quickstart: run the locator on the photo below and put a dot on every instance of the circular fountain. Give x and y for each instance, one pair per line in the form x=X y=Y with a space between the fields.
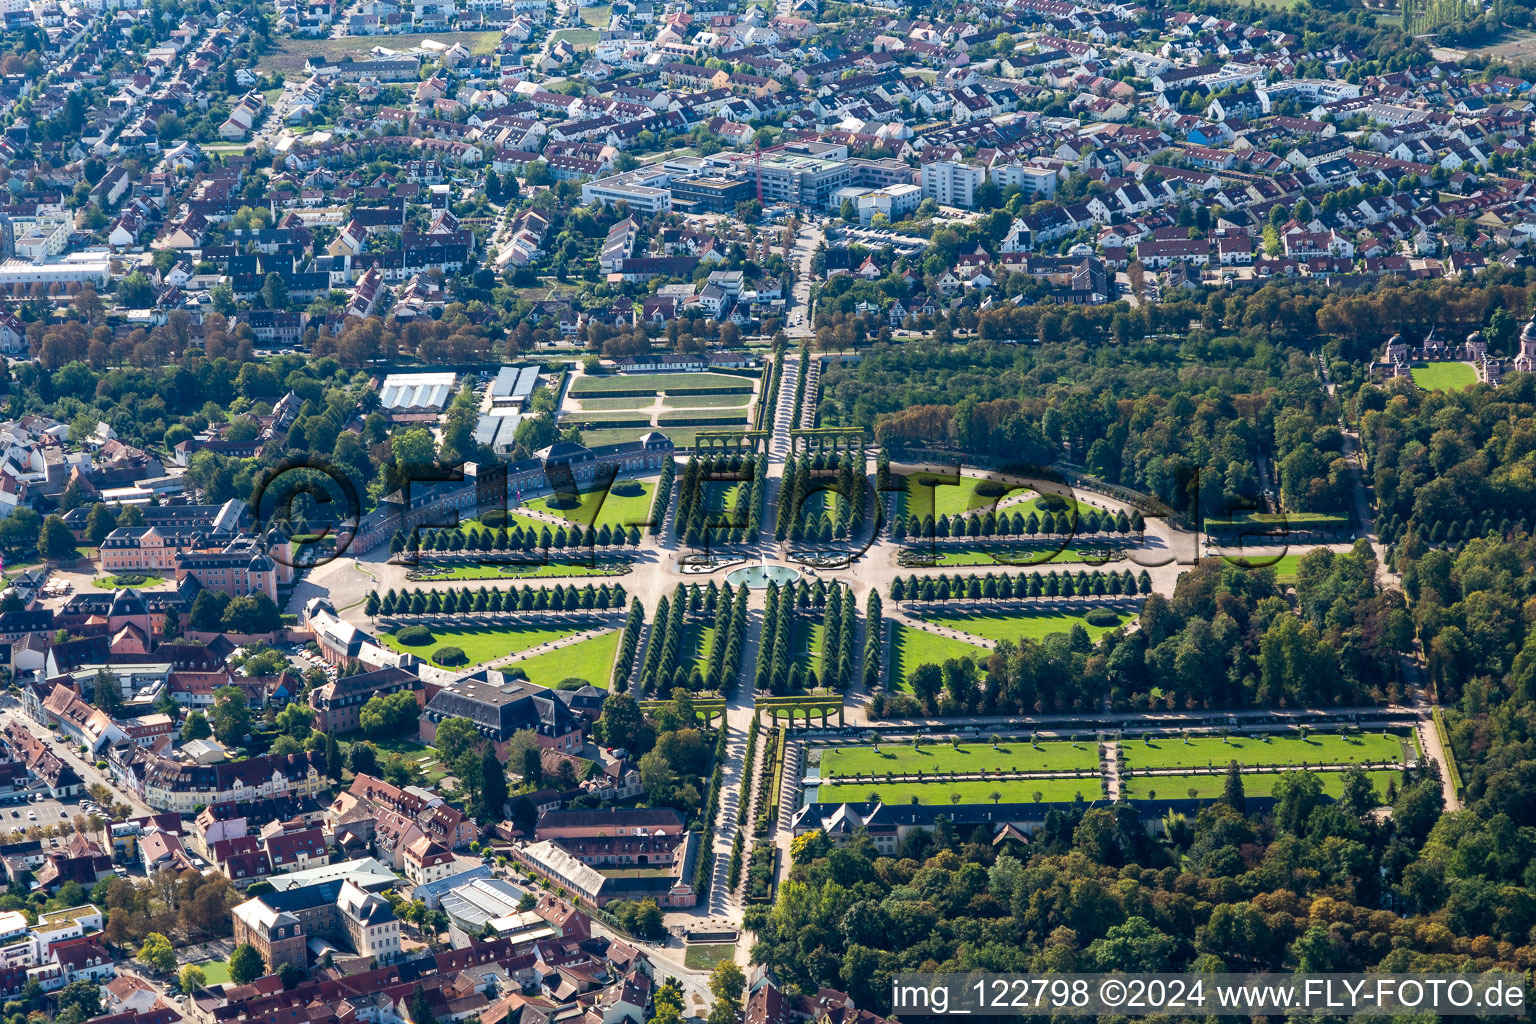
x=757 y=577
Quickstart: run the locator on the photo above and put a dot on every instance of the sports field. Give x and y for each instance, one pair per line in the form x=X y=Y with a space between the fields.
x=913 y=647
x=1027 y=623
x=1331 y=748
x=1008 y=755
x=1018 y=792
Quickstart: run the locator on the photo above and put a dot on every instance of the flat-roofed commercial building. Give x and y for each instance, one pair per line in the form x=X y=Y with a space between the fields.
x=644 y=189
x=706 y=194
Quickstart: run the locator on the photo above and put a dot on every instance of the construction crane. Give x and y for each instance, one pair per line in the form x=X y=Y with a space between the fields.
x=757 y=167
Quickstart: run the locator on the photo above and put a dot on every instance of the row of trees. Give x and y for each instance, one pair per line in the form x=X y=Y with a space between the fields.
x=821 y=500
x=670 y=662
x=566 y=597
x=993 y=586
x=519 y=538
x=778 y=662
x=838 y=650
x=629 y=641
x=990 y=524
x=701 y=517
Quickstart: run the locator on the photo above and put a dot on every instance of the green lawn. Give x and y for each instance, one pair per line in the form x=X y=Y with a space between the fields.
x=482 y=645
x=721 y=494
x=618 y=435
x=928 y=494
x=913 y=647
x=805 y=644
x=708 y=401
x=1444 y=376
x=113 y=582
x=578 y=37
x=615 y=420
x=590 y=659
x=1021 y=791
x=1025 y=622
x=638 y=404
x=416 y=752
x=513 y=520
x=1177 y=787
x=698 y=641
x=215 y=971
x=671 y=383
x=597 y=508
x=704 y=957
x=1284 y=565
x=597 y=17
x=1330 y=748
x=1010 y=755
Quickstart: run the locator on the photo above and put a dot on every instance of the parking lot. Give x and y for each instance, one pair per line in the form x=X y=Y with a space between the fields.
x=19 y=812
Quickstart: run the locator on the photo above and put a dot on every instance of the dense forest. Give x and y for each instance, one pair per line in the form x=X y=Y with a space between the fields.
x=1228 y=638
x=1182 y=423
x=1315 y=885
x=1449 y=465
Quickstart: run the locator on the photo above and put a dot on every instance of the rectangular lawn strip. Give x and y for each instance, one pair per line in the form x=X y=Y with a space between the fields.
x=1039 y=554
x=702 y=957
x=1024 y=622
x=482 y=645
x=577 y=37
x=1444 y=376
x=216 y=972
x=590 y=659
x=721 y=494
x=637 y=404
x=1326 y=748
x=596 y=507
x=805 y=644
x=708 y=401
x=1272 y=522
x=1285 y=566
x=671 y=383
x=1017 y=791
x=698 y=640
x=913 y=647
x=617 y=435
x=1010 y=755
x=1177 y=787
x=610 y=419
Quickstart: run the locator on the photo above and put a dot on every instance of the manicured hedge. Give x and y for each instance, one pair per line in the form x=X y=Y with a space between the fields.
x=414 y=636
x=450 y=657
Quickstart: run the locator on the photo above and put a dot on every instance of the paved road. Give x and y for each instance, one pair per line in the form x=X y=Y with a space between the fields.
x=11 y=712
